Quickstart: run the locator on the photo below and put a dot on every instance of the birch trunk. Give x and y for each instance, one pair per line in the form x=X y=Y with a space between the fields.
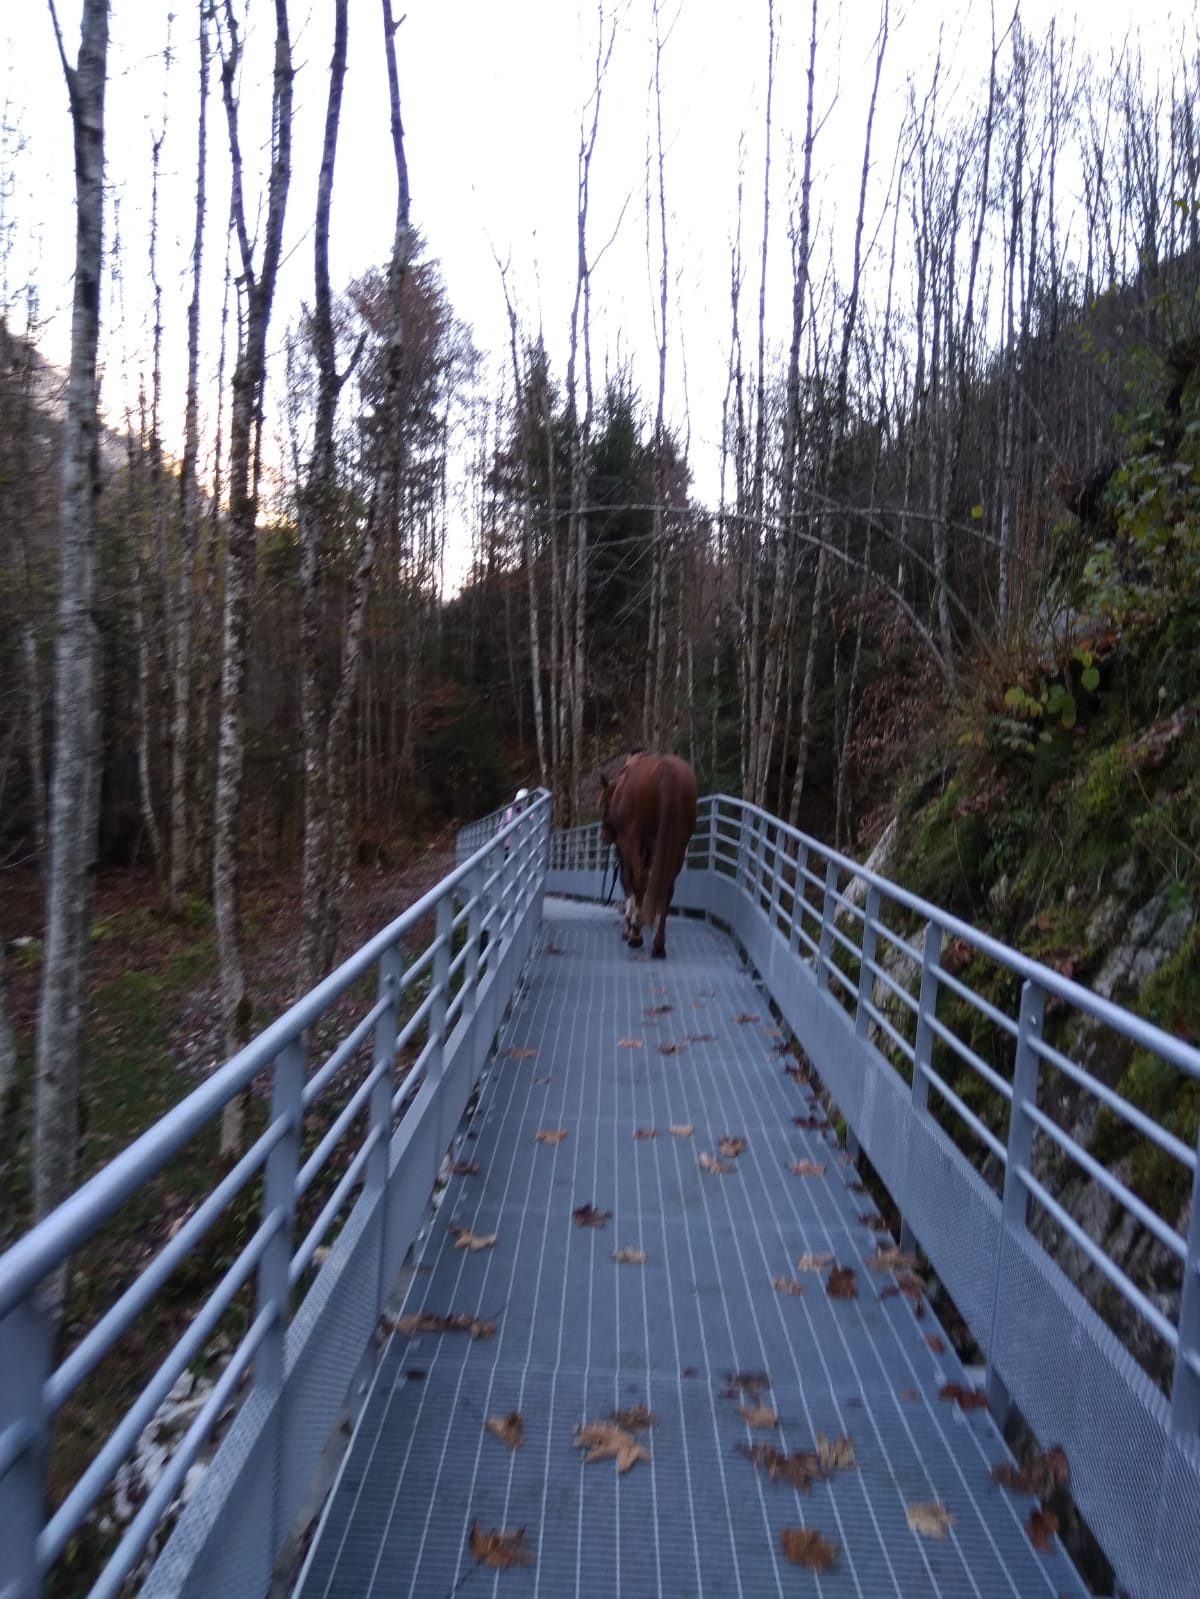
x=76 y=754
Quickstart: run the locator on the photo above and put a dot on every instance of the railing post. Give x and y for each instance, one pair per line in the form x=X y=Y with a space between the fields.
x=828 y=906
x=799 y=896
x=776 y=882
x=866 y=973
x=383 y=1061
x=25 y=1337
x=1185 y=1385
x=1015 y=1203
x=473 y=965
x=712 y=835
x=923 y=1048
x=441 y=985
x=279 y=1203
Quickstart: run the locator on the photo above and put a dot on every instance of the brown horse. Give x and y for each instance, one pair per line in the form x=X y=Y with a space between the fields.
x=649 y=813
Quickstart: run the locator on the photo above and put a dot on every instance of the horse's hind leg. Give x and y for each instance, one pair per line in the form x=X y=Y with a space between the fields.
x=633 y=926
x=658 y=950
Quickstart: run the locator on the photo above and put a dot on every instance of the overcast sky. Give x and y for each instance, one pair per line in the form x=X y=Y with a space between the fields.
x=492 y=94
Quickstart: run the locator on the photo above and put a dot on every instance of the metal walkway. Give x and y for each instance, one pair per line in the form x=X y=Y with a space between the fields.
x=578 y=1335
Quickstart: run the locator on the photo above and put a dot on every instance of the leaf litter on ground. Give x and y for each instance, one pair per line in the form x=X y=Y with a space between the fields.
x=710 y=1163
x=491 y=1547
x=423 y=1321
x=464 y=1238
x=634 y=1417
x=550 y=1135
x=787 y=1285
x=507 y=1428
x=804 y=1546
x=811 y=1262
x=1041 y=1475
x=682 y=1129
x=807 y=1168
x=758 y=1415
x=731 y=1146
x=589 y=1216
x=606 y=1440
x=840 y=1283
x=629 y=1257
x=930 y=1520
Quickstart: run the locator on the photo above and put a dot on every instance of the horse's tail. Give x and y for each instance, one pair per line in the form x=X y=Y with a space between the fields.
x=676 y=824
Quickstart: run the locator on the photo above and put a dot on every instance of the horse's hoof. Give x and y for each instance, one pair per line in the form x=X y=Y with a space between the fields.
x=659 y=954
x=636 y=941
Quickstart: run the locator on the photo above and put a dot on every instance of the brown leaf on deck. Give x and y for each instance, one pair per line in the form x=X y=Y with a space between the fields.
x=464 y=1238
x=550 y=1135
x=731 y=1146
x=890 y=1257
x=836 y=1454
x=629 y=1257
x=682 y=1129
x=935 y=1343
x=811 y=1262
x=634 y=1418
x=657 y=1010
x=759 y=1415
x=495 y=1548
x=1041 y=1475
x=930 y=1520
x=604 y=1440
x=746 y=1016
x=772 y=1032
x=671 y=1049
x=710 y=1163
x=801 y=1469
x=787 y=1285
x=1041 y=1527
x=630 y=1043
x=507 y=1428
x=964 y=1398
x=701 y=1038
x=464 y=1168
x=645 y=1132
x=807 y=1168
x=589 y=1216
x=840 y=1283
x=454 y=1321
x=804 y=1546
x=520 y=1054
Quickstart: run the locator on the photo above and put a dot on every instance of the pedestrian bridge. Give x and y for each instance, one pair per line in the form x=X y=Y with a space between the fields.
x=506 y=1172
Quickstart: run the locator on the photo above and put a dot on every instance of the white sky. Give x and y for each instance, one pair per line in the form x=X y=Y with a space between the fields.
x=491 y=95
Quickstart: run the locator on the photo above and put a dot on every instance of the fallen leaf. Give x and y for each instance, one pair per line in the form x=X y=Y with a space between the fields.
x=495 y=1548
x=836 y=1454
x=464 y=1168
x=873 y=1220
x=520 y=1054
x=711 y=1163
x=731 y=1146
x=890 y=1258
x=804 y=1546
x=964 y=1398
x=840 y=1283
x=801 y=1469
x=810 y=1262
x=807 y=1168
x=746 y=1016
x=464 y=1238
x=634 y=1418
x=550 y=1135
x=1041 y=1475
x=629 y=1257
x=454 y=1321
x=658 y=1010
x=810 y=1124
x=1041 y=1527
x=745 y=1382
x=671 y=1049
x=935 y=1343
x=645 y=1132
x=701 y=1038
x=605 y=1440
x=787 y=1285
x=589 y=1216
x=629 y=1043
x=682 y=1129
x=931 y=1521
x=759 y=1415
x=507 y=1428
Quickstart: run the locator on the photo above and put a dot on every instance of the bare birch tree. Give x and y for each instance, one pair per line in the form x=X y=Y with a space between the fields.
x=74 y=789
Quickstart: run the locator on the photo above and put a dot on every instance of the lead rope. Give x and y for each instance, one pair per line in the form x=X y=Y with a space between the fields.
x=613 y=884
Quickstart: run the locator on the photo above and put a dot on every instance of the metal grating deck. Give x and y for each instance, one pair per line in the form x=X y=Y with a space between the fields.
x=577 y=1334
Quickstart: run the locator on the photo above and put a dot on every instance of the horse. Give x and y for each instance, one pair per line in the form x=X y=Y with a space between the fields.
x=649 y=813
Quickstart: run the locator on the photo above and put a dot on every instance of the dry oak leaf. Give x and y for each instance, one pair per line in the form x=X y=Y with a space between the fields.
x=935 y=1343
x=453 y=1321
x=807 y=1168
x=464 y=1168
x=758 y=1415
x=520 y=1054
x=801 y=1469
x=890 y=1258
x=787 y=1285
x=1040 y=1475
x=645 y=1132
x=629 y=1043
x=811 y=1262
x=682 y=1129
x=964 y=1398
x=464 y=1238
x=840 y=1283
x=507 y=1428
x=634 y=1417
x=550 y=1135
x=658 y=1010
x=836 y=1454
x=629 y=1257
x=731 y=1146
x=804 y=1546
x=671 y=1049
x=605 y=1440
x=1041 y=1527
x=711 y=1163
x=589 y=1216
x=745 y=1016
x=931 y=1520
x=496 y=1548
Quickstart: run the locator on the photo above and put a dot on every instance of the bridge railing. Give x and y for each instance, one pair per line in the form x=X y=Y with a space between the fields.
x=961 y=1068
x=355 y=1097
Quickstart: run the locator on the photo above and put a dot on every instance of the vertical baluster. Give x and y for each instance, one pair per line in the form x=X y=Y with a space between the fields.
x=279 y=1205
x=441 y=985
x=1185 y=1386
x=776 y=883
x=828 y=911
x=866 y=973
x=25 y=1339
x=799 y=900
x=923 y=1049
